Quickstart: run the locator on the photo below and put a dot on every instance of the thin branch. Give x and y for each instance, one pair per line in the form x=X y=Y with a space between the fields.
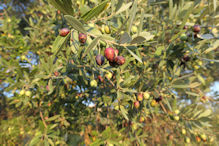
x=44 y=123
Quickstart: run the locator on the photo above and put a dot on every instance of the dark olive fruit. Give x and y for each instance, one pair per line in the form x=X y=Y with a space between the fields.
x=186 y=58
x=196 y=28
x=158 y=99
x=120 y=60
x=63 y=32
x=113 y=64
x=109 y=54
x=82 y=38
x=185 y=27
x=100 y=59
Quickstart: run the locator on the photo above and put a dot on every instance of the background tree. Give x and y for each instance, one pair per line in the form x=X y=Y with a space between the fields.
x=54 y=90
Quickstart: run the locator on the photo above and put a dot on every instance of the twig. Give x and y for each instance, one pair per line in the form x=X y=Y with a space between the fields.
x=161 y=104
x=44 y=123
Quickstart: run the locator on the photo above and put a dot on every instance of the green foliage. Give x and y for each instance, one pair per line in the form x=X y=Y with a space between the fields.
x=49 y=87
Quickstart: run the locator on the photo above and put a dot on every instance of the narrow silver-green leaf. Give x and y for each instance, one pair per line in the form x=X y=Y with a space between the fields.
x=206 y=36
x=141 y=21
x=193 y=85
x=91 y=46
x=125 y=38
x=214 y=46
x=53 y=118
x=124 y=7
x=134 y=55
x=75 y=23
x=133 y=15
x=59 y=43
x=215 y=5
x=65 y=6
x=119 y=5
x=192 y=93
x=124 y=112
x=138 y=39
x=95 y=11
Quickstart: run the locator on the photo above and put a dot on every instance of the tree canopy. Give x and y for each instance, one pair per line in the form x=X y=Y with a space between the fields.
x=107 y=72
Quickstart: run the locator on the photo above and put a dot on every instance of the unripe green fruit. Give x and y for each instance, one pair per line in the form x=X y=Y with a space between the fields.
x=183 y=37
x=211 y=139
x=23 y=57
x=183 y=131
x=107 y=29
x=9 y=20
x=134 y=126
x=204 y=137
x=93 y=83
x=91 y=24
x=176 y=112
x=117 y=107
x=176 y=118
x=109 y=75
x=141 y=119
x=146 y=95
x=196 y=66
x=22 y=92
x=188 y=140
x=134 y=29
x=28 y=93
x=200 y=63
x=153 y=103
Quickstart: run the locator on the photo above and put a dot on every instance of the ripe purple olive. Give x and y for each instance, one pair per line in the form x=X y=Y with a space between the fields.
x=63 y=32
x=185 y=27
x=186 y=58
x=158 y=99
x=109 y=54
x=113 y=64
x=120 y=60
x=82 y=38
x=100 y=60
x=196 y=28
